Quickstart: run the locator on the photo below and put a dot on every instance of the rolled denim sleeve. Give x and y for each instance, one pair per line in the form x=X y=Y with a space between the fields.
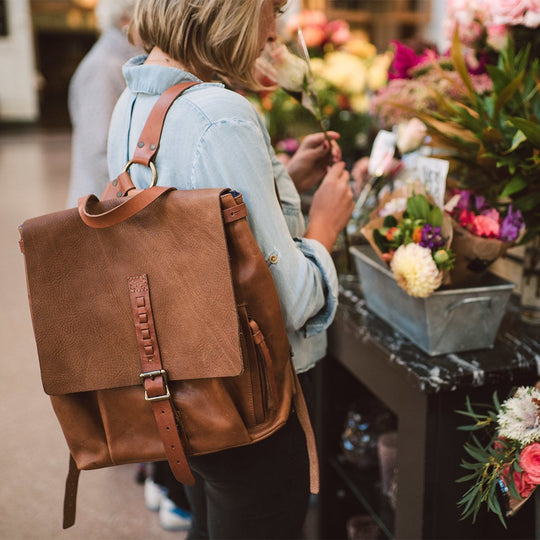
x=317 y=253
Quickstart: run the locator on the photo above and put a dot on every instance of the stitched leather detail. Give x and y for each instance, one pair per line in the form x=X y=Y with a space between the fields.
x=155 y=378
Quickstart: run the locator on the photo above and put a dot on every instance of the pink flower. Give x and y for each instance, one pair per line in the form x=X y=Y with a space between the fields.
x=510 y=12
x=492 y=214
x=314 y=36
x=466 y=218
x=497 y=36
x=404 y=60
x=529 y=460
x=484 y=226
x=524 y=484
x=338 y=32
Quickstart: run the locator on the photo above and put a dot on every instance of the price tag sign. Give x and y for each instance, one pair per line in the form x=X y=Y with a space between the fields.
x=383 y=150
x=433 y=173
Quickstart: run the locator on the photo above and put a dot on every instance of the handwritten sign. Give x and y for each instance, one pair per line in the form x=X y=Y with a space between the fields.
x=433 y=173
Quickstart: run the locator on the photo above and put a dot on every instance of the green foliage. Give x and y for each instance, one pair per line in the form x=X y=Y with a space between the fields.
x=496 y=136
x=489 y=457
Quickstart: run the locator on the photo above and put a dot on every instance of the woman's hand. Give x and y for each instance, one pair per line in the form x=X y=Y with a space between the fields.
x=332 y=206
x=310 y=162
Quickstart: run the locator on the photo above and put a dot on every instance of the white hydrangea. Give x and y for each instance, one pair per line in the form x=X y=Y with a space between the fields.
x=519 y=418
x=415 y=270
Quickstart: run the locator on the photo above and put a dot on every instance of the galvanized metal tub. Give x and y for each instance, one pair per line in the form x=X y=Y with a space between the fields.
x=450 y=320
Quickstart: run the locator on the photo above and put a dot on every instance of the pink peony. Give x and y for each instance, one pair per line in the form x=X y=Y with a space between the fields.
x=529 y=460
x=484 y=226
x=510 y=12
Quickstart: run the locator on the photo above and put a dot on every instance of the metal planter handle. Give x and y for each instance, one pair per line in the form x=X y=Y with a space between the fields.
x=471 y=300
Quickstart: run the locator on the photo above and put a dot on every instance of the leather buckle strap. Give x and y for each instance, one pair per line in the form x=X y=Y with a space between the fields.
x=163 y=374
x=154 y=378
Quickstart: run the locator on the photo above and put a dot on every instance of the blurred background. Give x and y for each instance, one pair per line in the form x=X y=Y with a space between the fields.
x=42 y=42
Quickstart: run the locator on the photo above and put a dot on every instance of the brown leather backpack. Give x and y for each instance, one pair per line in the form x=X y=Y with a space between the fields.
x=158 y=324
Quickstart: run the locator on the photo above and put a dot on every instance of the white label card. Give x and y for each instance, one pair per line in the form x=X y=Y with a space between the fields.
x=433 y=173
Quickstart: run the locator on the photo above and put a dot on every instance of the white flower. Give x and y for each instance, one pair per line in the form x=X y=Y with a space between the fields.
x=518 y=418
x=393 y=206
x=415 y=270
x=292 y=70
x=410 y=135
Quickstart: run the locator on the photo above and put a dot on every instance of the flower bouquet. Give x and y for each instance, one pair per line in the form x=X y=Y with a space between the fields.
x=414 y=243
x=505 y=454
x=344 y=70
x=482 y=234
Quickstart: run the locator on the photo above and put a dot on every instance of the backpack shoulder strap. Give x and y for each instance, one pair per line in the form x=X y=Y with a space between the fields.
x=148 y=143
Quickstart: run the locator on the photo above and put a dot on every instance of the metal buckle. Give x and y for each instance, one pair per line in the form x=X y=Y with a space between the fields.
x=151 y=375
x=152 y=168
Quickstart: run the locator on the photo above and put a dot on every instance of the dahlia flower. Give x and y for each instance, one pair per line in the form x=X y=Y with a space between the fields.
x=519 y=416
x=415 y=270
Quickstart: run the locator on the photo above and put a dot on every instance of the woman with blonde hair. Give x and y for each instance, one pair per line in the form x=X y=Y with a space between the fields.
x=213 y=137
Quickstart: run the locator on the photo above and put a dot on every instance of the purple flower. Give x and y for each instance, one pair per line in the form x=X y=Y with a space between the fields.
x=464 y=202
x=480 y=203
x=511 y=225
x=431 y=237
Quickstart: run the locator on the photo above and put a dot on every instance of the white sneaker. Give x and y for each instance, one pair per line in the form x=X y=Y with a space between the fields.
x=173 y=518
x=153 y=495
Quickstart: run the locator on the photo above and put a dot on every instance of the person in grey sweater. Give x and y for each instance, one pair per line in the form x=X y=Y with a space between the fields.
x=93 y=91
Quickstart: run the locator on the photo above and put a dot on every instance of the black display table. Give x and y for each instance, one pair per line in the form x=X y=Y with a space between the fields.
x=366 y=356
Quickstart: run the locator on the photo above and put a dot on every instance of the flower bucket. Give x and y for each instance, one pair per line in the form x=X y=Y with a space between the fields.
x=449 y=320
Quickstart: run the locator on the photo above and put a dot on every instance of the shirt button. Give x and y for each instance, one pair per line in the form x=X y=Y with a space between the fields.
x=273 y=259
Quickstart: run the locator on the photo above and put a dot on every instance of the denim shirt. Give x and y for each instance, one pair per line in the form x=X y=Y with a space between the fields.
x=213 y=137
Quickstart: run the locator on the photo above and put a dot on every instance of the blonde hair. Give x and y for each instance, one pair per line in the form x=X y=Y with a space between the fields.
x=221 y=35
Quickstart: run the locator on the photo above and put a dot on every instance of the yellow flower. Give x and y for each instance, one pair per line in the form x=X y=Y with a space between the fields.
x=359 y=103
x=415 y=270
x=361 y=47
x=345 y=71
x=377 y=75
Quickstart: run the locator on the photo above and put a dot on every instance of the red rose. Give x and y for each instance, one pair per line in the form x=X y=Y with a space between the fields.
x=529 y=461
x=524 y=485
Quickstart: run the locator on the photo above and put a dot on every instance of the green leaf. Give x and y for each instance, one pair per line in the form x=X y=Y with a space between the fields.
x=530 y=129
x=519 y=138
x=528 y=202
x=418 y=207
x=466 y=478
x=516 y=184
x=507 y=93
x=475 y=452
x=390 y=221
x=459 y=62
x=435 y=217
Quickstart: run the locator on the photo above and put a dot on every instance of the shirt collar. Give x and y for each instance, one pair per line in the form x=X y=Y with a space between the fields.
x=152 y=79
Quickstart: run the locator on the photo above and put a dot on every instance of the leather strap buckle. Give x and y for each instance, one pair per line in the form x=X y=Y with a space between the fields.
x=151 y=375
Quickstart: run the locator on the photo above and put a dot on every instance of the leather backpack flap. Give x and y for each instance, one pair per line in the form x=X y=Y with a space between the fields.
x=79 y=294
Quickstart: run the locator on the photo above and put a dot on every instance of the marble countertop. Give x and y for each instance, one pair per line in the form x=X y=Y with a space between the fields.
x=516 y=350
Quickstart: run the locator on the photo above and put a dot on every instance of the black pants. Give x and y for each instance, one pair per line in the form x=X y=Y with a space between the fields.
x=259 y=491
